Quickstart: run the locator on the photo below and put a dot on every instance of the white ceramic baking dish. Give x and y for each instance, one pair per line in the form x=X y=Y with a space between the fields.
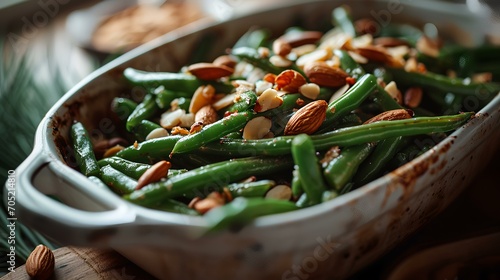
x=330 y=241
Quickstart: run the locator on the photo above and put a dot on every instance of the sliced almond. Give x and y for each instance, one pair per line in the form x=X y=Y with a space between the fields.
x=413 y=97
x=225 y=60
x=213 y=200
x=209 y=71
x=310 y=90
x=392 y=89
x=337 y=94
x=358 y=58
x=224 y=102
x=262 y=86
x=428 y=46
x=304 y=49
x=280 y=61
x=157 y=133
x=398 y=114
x=281 y=47
x=153 y=174
x=307 y=119
x=257 y=128
x=269 y=99
x=362 y=41
x=281 y=192
x=289 y=81
x=170 y=119
x=202 y=96
x=112 y=151
x=322 y=74
x=299 y=38
x=206 y=115
x=317 y=55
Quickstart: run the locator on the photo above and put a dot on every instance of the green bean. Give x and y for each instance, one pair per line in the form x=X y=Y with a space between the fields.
x=253 y=57
x=349 y=100
x=120 y=183
x=297 y=189
x=212 y=132
x=347 y=136
x=246 y=102
x=84 y=153
x=234 y=135
x=127 y=167
x=341 y=17
x=146 y=109
x=174 y=206
x=347 y=188
x=123 y=107
x=182 y=82
x=384 y=100
x=303 y=201
x=484 y=91
x=253 y=38
x=143 y=129
x=242 y=211
x=349 y=65
x=340 y=170
x=382 y=154
x=212 y=175
x=164 y=97
x=251 y=189
x=150 y=150
x=304 y=156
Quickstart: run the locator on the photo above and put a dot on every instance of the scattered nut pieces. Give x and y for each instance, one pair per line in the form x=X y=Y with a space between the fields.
x=202 y=96
x=225 y=60
x=213 y=200
x=322 y=74
x=413 y=97
x=316 y=55
x=206 y=115
x=281 y=192
x=331 y=154
x=40 y=263
x=307 y=119
x=171 y=119
x=209 y=71
x=289 y=81
x=112 y=151
x=154 y=174
x=398 y=114
x=392 y=89
x=257 y=128
x=157 y=133
x=269 y=99
x=280 y=61
x=281 y=48
x=428 y=46
x=336 y=95
x=310 y=90
x=177 y=130
x=196 y=127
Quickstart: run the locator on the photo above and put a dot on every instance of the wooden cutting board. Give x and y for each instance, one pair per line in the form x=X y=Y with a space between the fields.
x=88 y=263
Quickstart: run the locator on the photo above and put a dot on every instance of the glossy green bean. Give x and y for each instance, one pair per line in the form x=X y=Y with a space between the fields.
x=151 y=150
x=83 y=150
x=251 y=189
x=98 y=182
x=123 y=107
x=246 y=102
x=142 y=129
x=117 y=181
x=212 y=132
x=304 y=157
x=145 y=110
x=253 y=57
x=213 y=175
x=340 y=170
x=174 y=206
x=347 y=136
x=127 y=167
x=242 y=211
x=163 y=97
x=253 y=38
x=172 y=81
x=341 y=17
x=349 y=65
x=297 y=189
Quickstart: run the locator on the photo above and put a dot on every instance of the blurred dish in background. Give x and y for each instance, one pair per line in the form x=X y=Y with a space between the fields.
x=118 y=26
x=139 y=24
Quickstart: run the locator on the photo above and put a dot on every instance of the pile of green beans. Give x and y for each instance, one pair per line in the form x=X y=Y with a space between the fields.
x=215 y=172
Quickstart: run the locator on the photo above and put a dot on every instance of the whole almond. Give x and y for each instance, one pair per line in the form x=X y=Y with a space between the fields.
x=322 y=74
x=374 y=53
x=290 y=81
x=206 y=115
x=225 y=60
x=281 y=48
x=153 y=174
x=209 y=71
x=389 y=42
x=40 y=263
x=398 y=114
x=307 y=119
x=299 y=38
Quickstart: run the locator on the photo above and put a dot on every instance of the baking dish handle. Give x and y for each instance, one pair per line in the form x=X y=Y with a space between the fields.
x=56 y=200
